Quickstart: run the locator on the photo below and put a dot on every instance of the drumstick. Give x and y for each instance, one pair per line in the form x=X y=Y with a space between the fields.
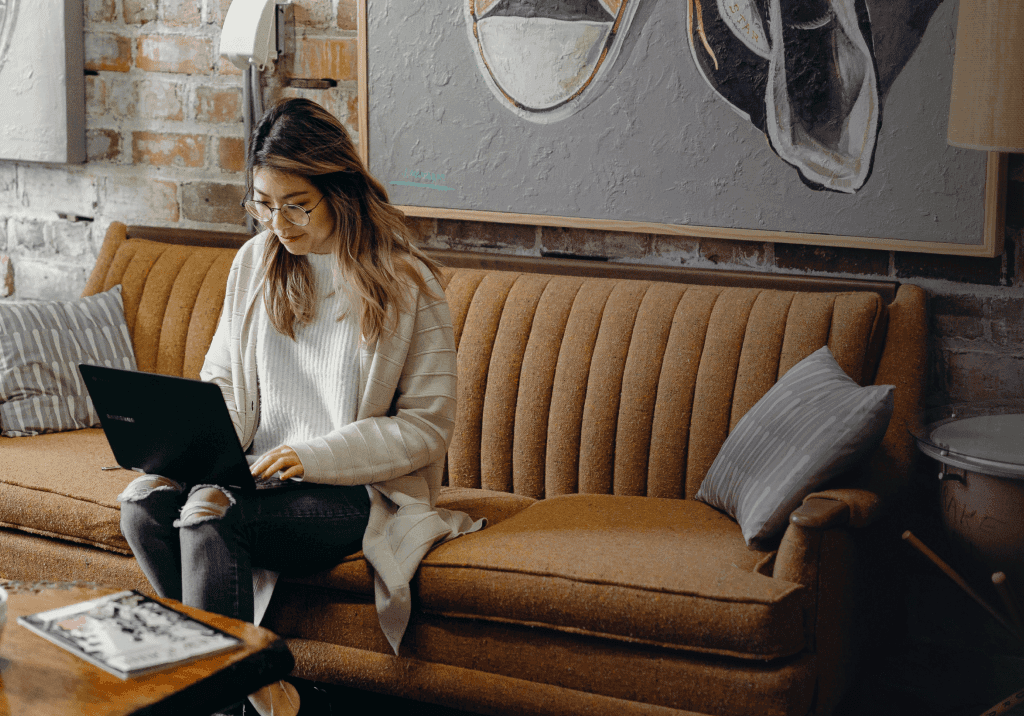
x=1006 y=704
x=999 y=579
x=937 y=561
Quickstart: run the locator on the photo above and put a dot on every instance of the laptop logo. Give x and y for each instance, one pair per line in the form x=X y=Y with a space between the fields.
x=122 y=418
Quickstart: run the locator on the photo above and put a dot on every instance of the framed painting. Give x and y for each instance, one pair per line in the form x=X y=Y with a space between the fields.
x=819 y=122
x=42 y=117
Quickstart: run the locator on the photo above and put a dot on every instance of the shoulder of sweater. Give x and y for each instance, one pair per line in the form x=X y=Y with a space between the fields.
x=427 y=275
x=251 y=252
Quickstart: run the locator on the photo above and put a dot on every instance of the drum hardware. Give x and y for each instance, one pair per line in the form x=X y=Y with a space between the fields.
x=980 y=451
x=949 y=474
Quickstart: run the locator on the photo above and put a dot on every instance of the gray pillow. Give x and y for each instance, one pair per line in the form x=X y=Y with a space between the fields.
x=812 y=425
x=41 y=345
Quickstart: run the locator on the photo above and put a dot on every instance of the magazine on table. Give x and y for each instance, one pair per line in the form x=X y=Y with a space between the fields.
x=129 y=634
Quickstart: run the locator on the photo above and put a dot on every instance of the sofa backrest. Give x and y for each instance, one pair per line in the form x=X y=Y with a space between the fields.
x=172 y=295
x=578 y=384
x=570 y=384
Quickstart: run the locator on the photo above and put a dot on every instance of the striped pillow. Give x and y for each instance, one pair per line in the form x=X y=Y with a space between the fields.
x=812 y=425
x=41 y=345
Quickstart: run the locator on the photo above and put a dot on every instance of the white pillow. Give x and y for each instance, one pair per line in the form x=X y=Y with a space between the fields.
x=41 y=345
x=812 y=425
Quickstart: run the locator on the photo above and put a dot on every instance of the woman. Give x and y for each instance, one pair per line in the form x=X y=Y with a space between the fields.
x=336 y=358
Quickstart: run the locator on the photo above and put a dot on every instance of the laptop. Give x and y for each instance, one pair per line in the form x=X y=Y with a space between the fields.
x=163 y=425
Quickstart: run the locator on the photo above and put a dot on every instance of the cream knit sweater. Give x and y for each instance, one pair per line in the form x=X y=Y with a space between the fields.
x=397 y=444
x=308 y=384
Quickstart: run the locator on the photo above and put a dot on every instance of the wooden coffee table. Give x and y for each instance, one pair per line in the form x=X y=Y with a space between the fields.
x=37 y=677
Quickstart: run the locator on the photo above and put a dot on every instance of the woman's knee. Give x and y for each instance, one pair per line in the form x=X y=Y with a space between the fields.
x=142 y=487
x=204 y=504
x=146 y=503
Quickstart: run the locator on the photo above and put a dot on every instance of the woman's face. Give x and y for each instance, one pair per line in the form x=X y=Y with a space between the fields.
x=275 y=189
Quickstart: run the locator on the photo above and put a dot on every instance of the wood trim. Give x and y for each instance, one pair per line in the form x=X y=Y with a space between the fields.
x=189 y=237
x=995 y=202
x=362 y=83
x=990 y=246
x=674 y=274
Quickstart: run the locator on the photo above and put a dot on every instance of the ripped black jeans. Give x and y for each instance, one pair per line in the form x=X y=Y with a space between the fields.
x=201 y=550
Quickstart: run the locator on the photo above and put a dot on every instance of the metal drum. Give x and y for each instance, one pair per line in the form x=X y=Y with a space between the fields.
x=981 y=451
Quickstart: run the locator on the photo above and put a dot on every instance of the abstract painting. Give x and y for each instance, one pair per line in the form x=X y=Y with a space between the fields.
x=42 y=118
x=810 y=121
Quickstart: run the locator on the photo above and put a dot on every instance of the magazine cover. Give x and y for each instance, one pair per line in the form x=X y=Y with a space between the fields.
x=128 y=634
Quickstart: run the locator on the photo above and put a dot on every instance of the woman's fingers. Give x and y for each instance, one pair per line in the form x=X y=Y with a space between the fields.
x=281 y=458
x=293 y=471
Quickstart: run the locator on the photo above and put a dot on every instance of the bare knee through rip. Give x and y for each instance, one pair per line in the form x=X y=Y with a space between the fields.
x=142 y=487
x=203 y=504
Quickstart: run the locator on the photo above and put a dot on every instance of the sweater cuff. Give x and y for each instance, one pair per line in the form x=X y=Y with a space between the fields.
x=315 y=464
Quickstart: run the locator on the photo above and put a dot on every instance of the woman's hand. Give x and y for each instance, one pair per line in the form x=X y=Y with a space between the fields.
x=280 y=458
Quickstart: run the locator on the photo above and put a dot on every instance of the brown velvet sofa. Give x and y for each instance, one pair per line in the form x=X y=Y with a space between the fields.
x=593 y=397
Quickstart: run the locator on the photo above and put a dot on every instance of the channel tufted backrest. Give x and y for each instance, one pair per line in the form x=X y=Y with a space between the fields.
x=172 y=300
x=613 y=386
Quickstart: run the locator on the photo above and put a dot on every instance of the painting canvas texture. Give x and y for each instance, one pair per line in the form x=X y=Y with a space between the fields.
x=41 y=71
x=819 y=116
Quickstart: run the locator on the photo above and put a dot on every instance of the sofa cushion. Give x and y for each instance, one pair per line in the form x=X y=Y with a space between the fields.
x=338 y=639
x=672 y=573
x=41 y=345
x=814 y=424
x=354 y=575
x=58 y=489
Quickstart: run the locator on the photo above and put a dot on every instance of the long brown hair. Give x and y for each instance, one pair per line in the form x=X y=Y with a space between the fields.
x=373 y=244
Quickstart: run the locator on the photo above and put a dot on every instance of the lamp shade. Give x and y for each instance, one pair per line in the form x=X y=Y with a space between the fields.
x=986 y=108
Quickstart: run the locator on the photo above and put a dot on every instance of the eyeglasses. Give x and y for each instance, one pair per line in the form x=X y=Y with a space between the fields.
x=292 y=213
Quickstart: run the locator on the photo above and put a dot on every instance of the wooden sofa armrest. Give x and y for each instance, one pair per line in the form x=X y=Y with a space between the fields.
x=832 y=508
x=798 y=557
x=820 y=514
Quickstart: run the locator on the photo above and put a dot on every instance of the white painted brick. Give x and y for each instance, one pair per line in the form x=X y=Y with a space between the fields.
x=48 y=279
x=56 y=190
x=161 y=99
x=100 y=10
x=122 y=97
x=138 y=202
x=6 y=276
x=99 y=233
x=8 y=185
x=28 y=236
x=72 y=238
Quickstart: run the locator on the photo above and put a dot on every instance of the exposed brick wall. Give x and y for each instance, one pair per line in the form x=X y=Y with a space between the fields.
x=164 y=134
x=165 y=147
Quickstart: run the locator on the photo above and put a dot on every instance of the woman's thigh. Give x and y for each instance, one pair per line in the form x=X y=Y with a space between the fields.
x=305 y=527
